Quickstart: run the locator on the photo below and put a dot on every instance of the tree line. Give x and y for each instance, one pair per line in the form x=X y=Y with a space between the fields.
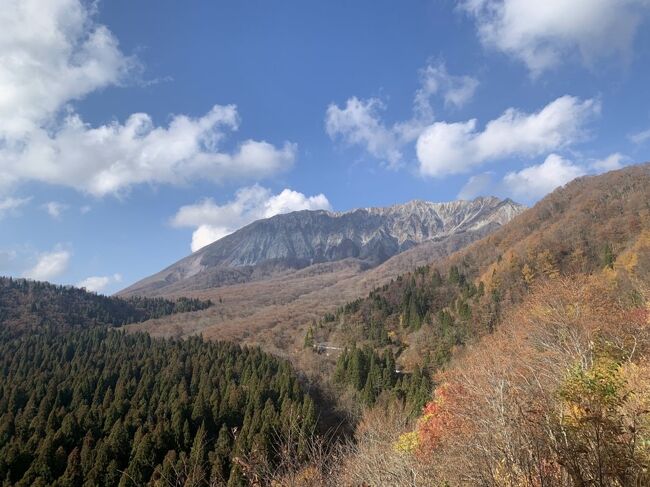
x=26 y=304
x=97 y=407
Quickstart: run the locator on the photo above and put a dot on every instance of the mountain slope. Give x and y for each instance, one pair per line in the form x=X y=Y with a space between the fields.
x=537 y=339
x=103 y=408
x=303 y=238
x=579 y=229
x=31 y=305
x=273 y=312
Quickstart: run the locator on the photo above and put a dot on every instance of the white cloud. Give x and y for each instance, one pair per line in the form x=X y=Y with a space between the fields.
x=49 y=265
x=536 y=181
x=113 y=157
x=533 y=182
x=52 y=53
x=477 y=185
x=55 y=209
x=85 y=209
x=213 y=221
x=640 y=137
x=545 y=33
x=98 y=283
x=360 y=122
x=10 y=205
x=609 y=163
x=452 y=148
x=456 y=90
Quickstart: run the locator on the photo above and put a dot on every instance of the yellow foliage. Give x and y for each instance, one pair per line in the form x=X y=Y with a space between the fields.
x=635 y=409
x=512 y=261
x=503 y=475
x=546 y=264
x=486 y=277
x=629 y=259
x=528 y=274
x=407 y=442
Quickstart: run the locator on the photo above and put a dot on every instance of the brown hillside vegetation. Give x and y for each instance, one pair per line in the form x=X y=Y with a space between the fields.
x=274 y=313
x=559 y=393
x=578 y=229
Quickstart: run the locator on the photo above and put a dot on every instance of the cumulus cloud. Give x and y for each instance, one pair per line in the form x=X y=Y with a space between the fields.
x=9 y=205
x=360 y=122
x=212 y=221
x=49 y=265
x=113 y=157
x=452 y=148
x=609 y=163
x=533 y=182
x=543 y=34
x=55 y=209
x=52 y=53
x=455 y=90
x=98 y=283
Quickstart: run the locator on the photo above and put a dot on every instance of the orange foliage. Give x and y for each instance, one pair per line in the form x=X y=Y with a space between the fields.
x=559 y=395
x=437 y=419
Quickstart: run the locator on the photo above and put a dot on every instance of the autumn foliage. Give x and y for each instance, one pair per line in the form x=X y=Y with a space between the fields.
x=560 y=395
x=539 y=339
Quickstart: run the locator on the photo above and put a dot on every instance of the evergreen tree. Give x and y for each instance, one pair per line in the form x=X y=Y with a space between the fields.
x=104 y=408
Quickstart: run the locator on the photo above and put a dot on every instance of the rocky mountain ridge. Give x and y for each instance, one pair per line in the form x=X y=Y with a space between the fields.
x=303 y=238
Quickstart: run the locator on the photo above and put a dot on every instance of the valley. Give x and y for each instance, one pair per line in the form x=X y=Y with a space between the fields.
x=324 y=244
x=410 y=339
x=416 y=343
x=274 y=308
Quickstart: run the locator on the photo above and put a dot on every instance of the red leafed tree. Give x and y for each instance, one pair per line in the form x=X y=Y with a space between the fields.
x=438 y=419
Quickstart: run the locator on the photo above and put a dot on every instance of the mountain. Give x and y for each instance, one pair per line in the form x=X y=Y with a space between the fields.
x=539 y=331
x=581 y=228
x=27 y=305
x=304 y=238
x=593 y=226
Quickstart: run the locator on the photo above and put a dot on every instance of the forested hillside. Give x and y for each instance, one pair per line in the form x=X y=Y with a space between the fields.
x=536 y=340
x=103 y=408
x=26 y=304
x=521 y=360
x=558 y=395
x=423 y=316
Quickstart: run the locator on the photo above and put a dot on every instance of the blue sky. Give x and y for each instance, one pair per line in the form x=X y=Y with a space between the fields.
x=134 y=132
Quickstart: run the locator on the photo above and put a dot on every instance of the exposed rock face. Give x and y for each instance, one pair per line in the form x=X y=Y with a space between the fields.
x=302 y=238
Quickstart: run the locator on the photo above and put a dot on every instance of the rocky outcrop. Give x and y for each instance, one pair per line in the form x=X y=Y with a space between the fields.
x=302 y=238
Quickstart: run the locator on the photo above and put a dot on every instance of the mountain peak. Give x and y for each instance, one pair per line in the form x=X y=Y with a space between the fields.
x=302 y=238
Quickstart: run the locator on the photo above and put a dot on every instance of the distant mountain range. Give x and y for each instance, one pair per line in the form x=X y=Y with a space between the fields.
x=304 y=238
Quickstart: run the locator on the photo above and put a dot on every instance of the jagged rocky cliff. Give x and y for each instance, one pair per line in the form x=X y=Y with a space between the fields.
x=302 y=238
